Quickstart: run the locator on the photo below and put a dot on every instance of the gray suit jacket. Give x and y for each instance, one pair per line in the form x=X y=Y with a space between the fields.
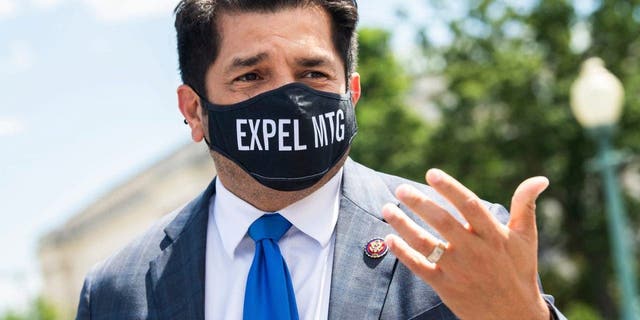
x=161 y=274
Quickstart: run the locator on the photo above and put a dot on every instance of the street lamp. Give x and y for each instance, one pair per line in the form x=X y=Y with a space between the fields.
x=596 y=101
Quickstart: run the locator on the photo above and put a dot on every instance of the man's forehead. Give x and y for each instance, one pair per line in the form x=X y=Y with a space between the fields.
x=251 y=36
x=225 y=16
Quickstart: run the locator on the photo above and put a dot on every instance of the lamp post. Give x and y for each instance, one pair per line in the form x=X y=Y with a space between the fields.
x=596 y=101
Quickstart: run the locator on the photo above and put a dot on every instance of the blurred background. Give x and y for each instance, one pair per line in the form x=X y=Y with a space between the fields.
x=92 y=146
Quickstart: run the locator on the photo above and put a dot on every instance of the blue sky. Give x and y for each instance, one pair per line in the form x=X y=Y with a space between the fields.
x=87 y=99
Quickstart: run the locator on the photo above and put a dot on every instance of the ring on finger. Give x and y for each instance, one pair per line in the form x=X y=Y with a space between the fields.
x=437 y=252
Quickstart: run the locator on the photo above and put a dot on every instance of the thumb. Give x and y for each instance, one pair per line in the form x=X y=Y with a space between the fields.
x=523 y=205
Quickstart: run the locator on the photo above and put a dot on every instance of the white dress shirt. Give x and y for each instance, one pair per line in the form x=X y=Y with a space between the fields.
x=307 y=247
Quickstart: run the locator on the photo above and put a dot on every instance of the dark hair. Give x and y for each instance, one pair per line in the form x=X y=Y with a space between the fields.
x=198 y=37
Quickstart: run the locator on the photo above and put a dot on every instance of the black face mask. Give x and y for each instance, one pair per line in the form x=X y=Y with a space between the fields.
x=288 y=138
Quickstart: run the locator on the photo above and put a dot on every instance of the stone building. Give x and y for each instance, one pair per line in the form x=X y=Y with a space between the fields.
x=67 y=253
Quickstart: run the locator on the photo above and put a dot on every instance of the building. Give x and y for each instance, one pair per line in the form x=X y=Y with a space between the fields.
x=67 y=253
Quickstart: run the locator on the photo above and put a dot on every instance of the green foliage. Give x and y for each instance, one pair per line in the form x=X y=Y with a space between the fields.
x=505 y=116
x=390 y=135
x=581 y=311
x=12 y=316
x=39 y=310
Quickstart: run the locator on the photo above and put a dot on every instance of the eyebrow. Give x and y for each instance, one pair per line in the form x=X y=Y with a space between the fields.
x=312 y=62
x=244 y=62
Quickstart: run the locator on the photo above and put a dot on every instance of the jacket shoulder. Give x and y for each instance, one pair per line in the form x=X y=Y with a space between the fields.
x=138 y=252
x=117 y=287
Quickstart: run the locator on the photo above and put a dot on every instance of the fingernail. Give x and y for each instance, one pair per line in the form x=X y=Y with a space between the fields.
x=388 y=239
x=403 y=190
x=387 y=211
x=545 y=179
x=434 y=175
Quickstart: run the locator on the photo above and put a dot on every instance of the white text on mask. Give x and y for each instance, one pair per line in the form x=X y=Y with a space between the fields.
x=260 y=133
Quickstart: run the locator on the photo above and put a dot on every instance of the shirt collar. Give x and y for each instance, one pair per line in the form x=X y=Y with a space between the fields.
x=315 y=215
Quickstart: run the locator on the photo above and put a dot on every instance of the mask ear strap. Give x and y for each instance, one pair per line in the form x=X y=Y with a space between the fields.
x=207 y=142
x=203 y=102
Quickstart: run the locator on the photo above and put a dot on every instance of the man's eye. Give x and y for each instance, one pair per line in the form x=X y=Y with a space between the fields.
x=248 y=77
x=314 y=74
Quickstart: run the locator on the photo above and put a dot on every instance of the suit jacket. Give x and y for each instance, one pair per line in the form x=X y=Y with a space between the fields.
x=161 y=275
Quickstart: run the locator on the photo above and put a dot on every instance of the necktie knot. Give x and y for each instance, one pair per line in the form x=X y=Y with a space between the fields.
x=269 y=226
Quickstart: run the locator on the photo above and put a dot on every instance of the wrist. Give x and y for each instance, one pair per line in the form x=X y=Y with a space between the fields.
x=552 y=311
x=544 y=310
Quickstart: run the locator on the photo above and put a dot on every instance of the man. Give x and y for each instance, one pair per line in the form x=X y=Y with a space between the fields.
x=270 y=87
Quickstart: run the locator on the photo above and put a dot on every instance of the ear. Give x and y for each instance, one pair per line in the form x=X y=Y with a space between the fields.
x=354 y=85
x=189 y=105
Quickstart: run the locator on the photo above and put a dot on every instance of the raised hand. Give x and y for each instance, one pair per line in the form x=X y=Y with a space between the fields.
x=487 y=270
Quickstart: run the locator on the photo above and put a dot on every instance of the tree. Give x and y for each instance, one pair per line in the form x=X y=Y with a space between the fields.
x=505 y=116
x=390 y=136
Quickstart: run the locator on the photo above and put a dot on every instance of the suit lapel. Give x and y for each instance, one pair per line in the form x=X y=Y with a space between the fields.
x=359 y=283
x=176 y=277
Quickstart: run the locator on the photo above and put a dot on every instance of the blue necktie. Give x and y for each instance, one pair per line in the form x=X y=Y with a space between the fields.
x=269 y=293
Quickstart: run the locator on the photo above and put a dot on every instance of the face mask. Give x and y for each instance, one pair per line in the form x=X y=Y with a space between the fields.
x=288 y=138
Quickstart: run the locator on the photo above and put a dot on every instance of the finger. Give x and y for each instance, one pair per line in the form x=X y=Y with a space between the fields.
x=411 y=258
x=417 y=237
x=523 y=205
x=482 y=222
x=431 y=213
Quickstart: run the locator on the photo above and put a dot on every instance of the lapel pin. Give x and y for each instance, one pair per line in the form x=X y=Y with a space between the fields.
x=376 y=248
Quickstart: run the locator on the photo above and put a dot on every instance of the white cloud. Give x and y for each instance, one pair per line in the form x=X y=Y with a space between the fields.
x=10 y=126
x=7 y=8
x=119 y=10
